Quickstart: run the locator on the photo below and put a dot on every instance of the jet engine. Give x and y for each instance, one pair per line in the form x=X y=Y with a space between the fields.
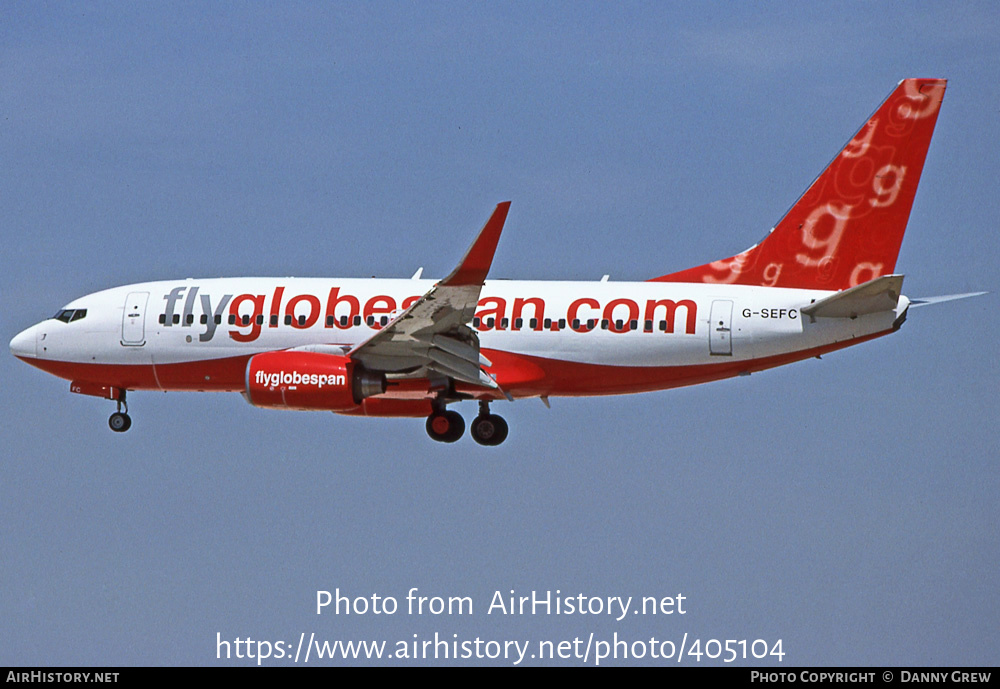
x=309 y=381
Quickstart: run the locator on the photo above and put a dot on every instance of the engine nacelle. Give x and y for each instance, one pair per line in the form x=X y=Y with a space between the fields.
x=310 y=381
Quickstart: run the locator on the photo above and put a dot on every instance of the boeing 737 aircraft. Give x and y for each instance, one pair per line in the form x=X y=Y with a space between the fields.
x=821 y=280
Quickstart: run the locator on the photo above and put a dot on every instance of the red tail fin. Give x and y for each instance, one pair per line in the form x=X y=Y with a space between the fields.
x=848 y=226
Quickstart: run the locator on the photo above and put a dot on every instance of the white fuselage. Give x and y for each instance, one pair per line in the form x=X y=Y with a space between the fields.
x=154 y=327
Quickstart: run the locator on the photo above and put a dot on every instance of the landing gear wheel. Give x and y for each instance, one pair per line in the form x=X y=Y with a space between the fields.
x=120 y=422
x=445 y=426
x=489 y=430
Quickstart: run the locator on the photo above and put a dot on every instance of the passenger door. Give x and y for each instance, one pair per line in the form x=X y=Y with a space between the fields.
x=134 y=319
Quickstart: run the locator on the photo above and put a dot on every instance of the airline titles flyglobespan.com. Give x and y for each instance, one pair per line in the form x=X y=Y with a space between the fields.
x=250 y=313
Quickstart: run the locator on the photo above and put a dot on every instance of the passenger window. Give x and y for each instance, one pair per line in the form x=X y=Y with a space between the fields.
x=663 y=326
x=490 y=322
x=302 y=321
x=274 y=320
x=503 y=323
x=204 y=319
x=177 y=318
x=370 y=320
x=343 y=321
x=604 y=324
x=232 y=319
x=189 y=319
x=288 y=320
x=562 y=323
x=246 y=319
x=518 y=322
x=619 y=325
x=357 y=320
x=547 y=323
x=163 y=318
x=592 y=323
x=385 y=320
x=260 y=319
x=633 y=325
x=576 y=324
x=476 y=322
x=218 y=319
x=648 y=326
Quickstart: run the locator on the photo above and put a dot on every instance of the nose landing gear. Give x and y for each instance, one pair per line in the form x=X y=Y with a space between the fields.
x=120 y=421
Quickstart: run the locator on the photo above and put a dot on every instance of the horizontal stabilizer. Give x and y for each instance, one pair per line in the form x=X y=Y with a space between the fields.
x=880 y=294
x=925 y=301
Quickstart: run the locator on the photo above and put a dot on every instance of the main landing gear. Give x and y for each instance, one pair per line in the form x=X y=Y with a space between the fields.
x=445 y=426
x=120 y=421
x=489 y=429
x=448 y=426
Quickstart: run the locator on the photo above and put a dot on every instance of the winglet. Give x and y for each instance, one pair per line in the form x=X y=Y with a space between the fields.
x=478 y=259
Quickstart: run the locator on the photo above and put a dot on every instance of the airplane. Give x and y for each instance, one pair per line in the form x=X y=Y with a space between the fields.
x=822 y=279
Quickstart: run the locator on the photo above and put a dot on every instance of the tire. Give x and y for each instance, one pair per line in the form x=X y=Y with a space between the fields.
x=445 y=427
x=119 y=422
x=490 y=430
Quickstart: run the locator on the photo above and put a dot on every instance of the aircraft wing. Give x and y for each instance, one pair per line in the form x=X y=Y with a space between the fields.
x=433 y=334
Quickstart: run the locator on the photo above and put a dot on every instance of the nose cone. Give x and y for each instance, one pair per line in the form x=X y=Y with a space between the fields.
x=23 y=344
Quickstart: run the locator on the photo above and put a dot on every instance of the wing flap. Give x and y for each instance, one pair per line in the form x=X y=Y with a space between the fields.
x=460 y=349
x=458 y=368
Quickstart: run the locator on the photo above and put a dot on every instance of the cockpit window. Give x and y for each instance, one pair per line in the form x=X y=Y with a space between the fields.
x=70 y=315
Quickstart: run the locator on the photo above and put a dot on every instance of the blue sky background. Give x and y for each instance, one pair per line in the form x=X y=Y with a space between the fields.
x=846 y=506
